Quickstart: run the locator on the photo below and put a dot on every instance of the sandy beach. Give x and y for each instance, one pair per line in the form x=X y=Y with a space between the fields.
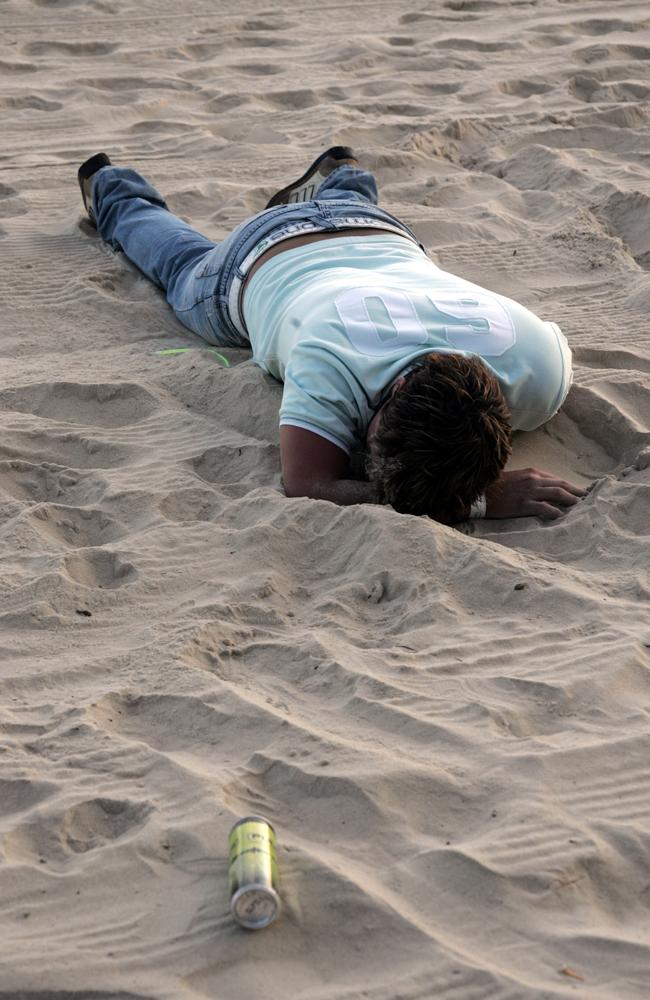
x=448 y=727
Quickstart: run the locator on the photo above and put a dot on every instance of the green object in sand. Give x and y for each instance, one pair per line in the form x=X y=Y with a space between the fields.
x=170 y=351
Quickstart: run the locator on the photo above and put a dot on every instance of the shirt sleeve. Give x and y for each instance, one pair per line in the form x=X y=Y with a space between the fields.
x=537 y=378
x=321 y=396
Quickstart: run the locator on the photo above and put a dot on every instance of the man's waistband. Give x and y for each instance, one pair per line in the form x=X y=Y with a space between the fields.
x=340 y=226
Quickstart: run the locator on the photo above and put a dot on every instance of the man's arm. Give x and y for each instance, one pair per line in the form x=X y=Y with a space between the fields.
x=314 y=467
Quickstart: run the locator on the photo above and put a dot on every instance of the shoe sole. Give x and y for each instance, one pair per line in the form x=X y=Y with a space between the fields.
x=301 y=187
x=85 y=172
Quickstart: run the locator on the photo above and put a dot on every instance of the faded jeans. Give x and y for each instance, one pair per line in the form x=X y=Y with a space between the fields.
x=202 y=279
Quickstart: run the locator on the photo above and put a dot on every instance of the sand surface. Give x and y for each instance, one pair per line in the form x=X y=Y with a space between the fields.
x=449 y=728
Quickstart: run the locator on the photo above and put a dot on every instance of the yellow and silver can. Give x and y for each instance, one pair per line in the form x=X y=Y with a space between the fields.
x=253 y=873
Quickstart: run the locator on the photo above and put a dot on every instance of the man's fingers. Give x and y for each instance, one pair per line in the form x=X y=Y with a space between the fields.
x=548 y=479
x=558 y=495
x=551 y=502
x=578 y=491
x=546 y=511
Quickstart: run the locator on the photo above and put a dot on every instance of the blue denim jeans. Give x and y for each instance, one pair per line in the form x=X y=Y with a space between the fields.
x=201 y=279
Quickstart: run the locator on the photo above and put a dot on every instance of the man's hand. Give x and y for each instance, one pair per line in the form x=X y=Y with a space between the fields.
x=531 y=493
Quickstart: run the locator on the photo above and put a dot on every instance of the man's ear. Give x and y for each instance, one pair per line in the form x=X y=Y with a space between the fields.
x=399 y=382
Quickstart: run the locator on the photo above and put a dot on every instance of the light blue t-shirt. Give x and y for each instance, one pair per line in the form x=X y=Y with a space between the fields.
x=338 y=320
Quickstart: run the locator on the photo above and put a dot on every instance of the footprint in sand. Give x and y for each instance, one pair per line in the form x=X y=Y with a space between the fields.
x=75 y=526
x=626 y=214
x=260 y=24
x=86 y=826
x=198 y=51
x=590 y=435
x=79 y=451
x=98 y=4
x=250 y=40
x=9 y=66
x=30 y=102
x=524 y=88
x=63 y=49
x=292 y=99
x=99 y=821
x=11 y=204
x=31 y=482
x=593 y=88
x=191 y=505
x=608 y=53
x=178 y=723
x=259 y=69
x=91 y=404
x=98 y=568
x=255 y=462
x=472 y=5
x=20 y=794
x=402 y=41
x=602 y=26
x=476 y=45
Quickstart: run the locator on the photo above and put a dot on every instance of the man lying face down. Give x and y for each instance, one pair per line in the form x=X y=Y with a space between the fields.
x=374 y=343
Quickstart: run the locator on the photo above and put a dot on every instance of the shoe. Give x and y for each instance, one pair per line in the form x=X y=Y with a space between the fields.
x=85 y=174
x=306 y=186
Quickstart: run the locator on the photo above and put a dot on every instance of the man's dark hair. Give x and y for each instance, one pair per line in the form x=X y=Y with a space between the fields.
x=442 y=438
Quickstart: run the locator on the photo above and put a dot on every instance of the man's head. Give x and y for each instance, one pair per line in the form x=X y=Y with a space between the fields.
x=442 y=437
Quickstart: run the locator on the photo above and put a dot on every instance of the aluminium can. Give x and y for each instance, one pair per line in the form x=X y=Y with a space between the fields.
x=253 y=873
